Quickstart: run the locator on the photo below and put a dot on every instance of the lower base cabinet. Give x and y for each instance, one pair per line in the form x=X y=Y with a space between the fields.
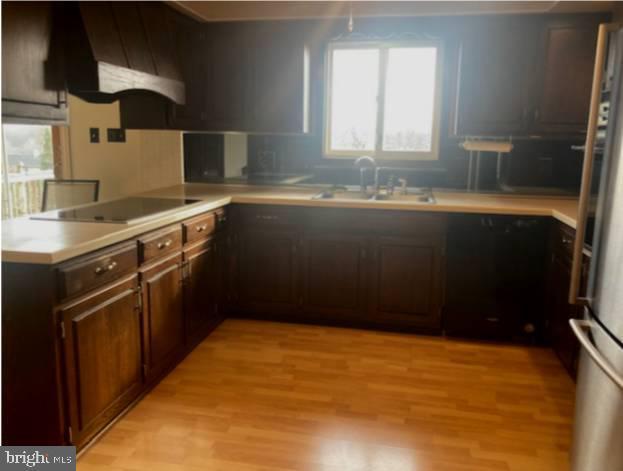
x=407 y=281
x=559 y=311
x=163 y=315
x=357 y=267
x=201 y=289
x=103 y=358
x=267 y=272
x=334 y=276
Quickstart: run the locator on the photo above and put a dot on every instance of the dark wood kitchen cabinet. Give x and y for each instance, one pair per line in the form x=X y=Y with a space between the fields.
x=495 y=57
x=407 y=281
x=240 y=76
x=267 y=275
x=163 y=316
x=228 y=53
x=190 y=43
x=202 y=286
x=334 y=275
x=526 y=75
x=564 y=75
x=343 y=266
x=559 y=311
x=279 y=85
x=101 y=338
x=33 y=87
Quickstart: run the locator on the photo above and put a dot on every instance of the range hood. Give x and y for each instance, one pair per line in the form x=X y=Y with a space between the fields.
x=116 y=48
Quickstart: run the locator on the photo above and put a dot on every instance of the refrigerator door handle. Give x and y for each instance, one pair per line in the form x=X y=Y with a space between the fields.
x=580 y=329
x=587 y=167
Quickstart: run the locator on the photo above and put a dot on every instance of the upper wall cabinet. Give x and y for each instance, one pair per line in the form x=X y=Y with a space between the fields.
x=227 y=89
x=241 y=76
x=495 y=58
x=565 y=74
x=116 y=47
x=32 y=83
x=526 y=76
x=280 y=78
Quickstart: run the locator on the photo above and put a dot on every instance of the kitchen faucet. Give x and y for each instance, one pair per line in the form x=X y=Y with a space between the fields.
x=363 y=163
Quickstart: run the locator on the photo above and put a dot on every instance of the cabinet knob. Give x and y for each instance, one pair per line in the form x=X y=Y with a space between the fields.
x=201 y=228
x=103 y=269
x=166 y=243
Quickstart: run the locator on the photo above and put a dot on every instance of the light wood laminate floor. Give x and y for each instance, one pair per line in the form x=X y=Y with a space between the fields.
x=269 y=396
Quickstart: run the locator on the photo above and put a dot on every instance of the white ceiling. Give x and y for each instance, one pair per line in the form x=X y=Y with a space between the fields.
x=281 y=10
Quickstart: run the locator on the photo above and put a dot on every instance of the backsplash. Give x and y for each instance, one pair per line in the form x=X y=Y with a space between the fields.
x=532 y=163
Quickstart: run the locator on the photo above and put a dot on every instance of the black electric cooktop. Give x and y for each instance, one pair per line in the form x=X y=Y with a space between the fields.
x=121 y=211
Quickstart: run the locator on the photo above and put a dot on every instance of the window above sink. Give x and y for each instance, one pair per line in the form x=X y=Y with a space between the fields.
x=383 y=100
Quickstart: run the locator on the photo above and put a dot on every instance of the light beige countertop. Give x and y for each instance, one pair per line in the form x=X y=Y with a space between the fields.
x=34 y=241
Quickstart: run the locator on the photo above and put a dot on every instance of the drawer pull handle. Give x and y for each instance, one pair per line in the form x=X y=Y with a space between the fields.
x=166 y=243
x=266 y=217
x=109 y=267
x=566 y=240
x=201 y=228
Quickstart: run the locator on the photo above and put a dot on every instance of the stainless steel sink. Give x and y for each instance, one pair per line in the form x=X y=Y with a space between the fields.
x=350 y=195
x=417 y=196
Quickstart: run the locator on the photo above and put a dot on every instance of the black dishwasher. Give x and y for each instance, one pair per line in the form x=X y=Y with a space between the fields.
x=495 y=277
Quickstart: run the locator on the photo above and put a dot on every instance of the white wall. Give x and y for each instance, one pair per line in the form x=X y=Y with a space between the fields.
x=147 y=160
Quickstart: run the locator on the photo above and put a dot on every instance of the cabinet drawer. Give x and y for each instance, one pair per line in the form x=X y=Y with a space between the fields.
x=274 y=217
x=78 y=276
x=378 y=222
x=199 y=228
x=160 y=243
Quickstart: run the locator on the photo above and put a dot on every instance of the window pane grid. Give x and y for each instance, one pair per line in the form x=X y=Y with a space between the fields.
x=383 y=101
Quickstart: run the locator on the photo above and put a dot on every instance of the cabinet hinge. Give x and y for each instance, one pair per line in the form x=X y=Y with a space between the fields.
x=70 y=434
x=62 y=328
x=139 y=299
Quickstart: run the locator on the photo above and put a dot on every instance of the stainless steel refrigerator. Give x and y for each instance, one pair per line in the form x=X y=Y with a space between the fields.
x=598 y=427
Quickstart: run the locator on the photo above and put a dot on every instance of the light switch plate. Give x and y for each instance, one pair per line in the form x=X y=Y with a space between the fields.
x=116 y=135
x=94 y=135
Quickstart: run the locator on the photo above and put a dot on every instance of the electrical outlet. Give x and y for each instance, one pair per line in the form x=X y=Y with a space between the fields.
x=94 y=135
x=116 y=135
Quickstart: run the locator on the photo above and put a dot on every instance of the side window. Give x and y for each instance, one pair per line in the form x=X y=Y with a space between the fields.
x=29 y=156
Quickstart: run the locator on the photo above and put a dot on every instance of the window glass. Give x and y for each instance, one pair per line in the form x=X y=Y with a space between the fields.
x=28 y=159
x=354 y=89
x=382 y=100
x=409 y=99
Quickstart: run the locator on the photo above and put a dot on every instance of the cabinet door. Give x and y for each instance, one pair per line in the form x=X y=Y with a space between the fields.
x=102 y=350
x=560 y=311
x=334 y=275
x=492 y=80
x=31 y=80
x=268 y=272
x=201 y=290
x=407 y=281
x=228 y=77
x=190 y=44
x=279 y=95
x=163 y=317
x=565 y=76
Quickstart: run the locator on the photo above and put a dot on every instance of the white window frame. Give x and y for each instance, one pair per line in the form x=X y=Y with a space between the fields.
x=378 y=152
